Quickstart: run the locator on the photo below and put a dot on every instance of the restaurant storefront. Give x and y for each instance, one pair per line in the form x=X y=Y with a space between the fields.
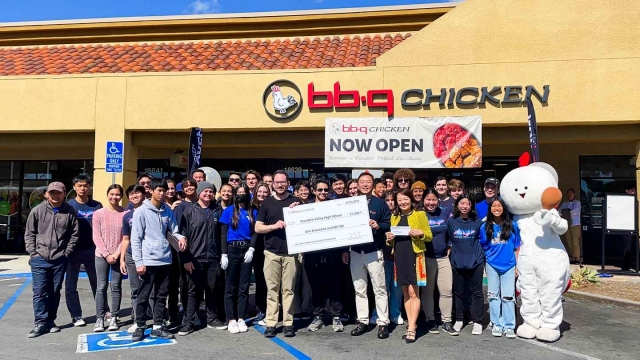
x=68 y=88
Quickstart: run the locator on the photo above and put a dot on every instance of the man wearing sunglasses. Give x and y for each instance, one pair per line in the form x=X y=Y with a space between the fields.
x=50 y=237
x=323 y=269
x=234 y=179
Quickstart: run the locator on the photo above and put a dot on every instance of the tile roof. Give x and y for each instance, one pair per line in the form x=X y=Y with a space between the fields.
x=327 y=52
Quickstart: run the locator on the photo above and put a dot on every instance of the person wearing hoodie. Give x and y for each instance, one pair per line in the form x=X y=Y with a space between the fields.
x=201 y=259
x=50 y=236
x=152 y=222
x=467 y=261
x=366 y=261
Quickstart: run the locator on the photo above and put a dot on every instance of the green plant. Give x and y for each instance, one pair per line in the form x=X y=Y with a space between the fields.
x=585 y=276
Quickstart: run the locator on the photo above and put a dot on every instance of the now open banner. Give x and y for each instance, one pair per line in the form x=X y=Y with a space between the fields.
x=412 y=142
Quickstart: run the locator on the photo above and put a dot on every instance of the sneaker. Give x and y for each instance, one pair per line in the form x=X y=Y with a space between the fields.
x=259 y=317
x=446 y=327
x=138 y=334
x=233 y=327
x=337 y=325
x=185 y=330
x=457 y=326
x=270 y=332
x=53 y=328
x=162 y=333
x=399 y=320
x=217 y=324
x=490 y=324
x=289 y=331
x=242 y=326
x=99 y=326
x=78 y=321
x=113 y=324
x=383 y=332
x=477 y=329
x=433 y=327
x=262 y=323
x=360 y=329
x=38 y=330
x=132 y=329
x=510 y=334
x=316 y=324
x=496 y=332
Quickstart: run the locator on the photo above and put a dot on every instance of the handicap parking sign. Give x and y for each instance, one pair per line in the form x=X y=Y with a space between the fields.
x=114 y=157
x=120 y=340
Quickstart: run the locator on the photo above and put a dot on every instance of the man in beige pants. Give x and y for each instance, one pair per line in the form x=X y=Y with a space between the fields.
x=573 y=236
x=279 y=266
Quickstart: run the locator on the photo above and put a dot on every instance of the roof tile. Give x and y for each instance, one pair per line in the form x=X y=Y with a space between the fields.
x=298 y=53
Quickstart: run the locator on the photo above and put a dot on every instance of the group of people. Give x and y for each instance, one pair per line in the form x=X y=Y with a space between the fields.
x=190 y=243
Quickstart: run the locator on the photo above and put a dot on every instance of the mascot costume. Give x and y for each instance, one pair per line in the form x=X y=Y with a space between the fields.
x=531 y=193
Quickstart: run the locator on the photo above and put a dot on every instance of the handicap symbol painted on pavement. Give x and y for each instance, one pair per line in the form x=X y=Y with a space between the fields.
x=95 y=342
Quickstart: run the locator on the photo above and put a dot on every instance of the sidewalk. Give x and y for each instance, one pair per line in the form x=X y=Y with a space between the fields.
x=14 y=264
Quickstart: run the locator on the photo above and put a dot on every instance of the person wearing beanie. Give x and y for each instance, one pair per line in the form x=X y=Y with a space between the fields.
x=417 y=192
x=201 y=260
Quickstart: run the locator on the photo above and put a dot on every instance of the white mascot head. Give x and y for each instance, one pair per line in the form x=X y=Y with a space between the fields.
x=528 y=189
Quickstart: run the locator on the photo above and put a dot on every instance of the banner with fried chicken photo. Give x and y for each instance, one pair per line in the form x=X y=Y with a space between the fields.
x=411 y=142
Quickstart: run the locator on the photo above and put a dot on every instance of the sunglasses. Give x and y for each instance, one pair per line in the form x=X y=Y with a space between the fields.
x=322 y=190
x=403 y=180
x=234 y=179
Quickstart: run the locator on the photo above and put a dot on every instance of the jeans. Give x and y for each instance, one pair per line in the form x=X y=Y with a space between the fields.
x=501 y=294
x=322 y=272
x=395 y=293
x=155 y=279
x=473 y=279
x=102 y=272
x=134 y=285
x=201 y=282
x=47 y=282
x=177 y=287
x=84 y=257
x=438 y=273
x=236 y=295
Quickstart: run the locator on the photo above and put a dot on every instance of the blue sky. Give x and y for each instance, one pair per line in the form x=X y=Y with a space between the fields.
x=35 y=10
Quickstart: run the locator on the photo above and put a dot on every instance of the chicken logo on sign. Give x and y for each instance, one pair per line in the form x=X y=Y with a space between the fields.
x=280 y=100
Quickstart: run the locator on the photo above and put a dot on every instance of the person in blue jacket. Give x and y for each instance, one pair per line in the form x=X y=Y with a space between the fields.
x=467 y=261
x=500 y=239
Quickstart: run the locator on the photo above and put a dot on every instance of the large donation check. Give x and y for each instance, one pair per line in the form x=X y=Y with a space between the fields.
x=327 y=225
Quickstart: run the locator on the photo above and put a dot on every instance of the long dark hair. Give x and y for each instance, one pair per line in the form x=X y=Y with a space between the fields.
x=406 y=192
x=245 y=205
x=505 y=221
x=472 y=213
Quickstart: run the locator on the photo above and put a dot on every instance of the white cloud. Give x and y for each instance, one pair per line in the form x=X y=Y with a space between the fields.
x=203 y=7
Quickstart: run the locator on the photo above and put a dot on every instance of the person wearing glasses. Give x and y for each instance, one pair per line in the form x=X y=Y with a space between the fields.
x=234 y=179
x=403 y=179
x=144 y=180
x=322 y=270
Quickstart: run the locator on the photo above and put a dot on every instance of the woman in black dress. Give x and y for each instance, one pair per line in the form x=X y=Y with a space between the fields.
x=410 y=267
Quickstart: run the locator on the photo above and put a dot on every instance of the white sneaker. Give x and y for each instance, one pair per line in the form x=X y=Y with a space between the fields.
x=233 y=327
x=477 y=329
x=79 y=321
x=399 y=320
x=457 y=326
x=132 y=329
x=99 y=326
x=113 y=324
x=262 y=323
x=242 y=327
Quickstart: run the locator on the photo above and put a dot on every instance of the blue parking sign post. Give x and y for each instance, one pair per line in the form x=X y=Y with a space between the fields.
x=114 y=159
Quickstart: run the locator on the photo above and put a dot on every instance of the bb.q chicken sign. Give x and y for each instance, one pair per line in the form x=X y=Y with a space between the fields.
x=282 y=100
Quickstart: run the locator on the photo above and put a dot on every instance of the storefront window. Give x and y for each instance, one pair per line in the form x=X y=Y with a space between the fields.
x=9 y=203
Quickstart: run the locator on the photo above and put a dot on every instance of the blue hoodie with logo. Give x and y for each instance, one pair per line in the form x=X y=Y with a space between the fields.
x=464 y=234
x=437 y=247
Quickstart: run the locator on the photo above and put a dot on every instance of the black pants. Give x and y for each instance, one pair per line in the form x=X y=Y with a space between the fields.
x=322 y=272
x=177 y=287
x=155 y=279
x=218 y=295
x=201 y=282
x=473 y=279
x=237 y=284
x=261 y=282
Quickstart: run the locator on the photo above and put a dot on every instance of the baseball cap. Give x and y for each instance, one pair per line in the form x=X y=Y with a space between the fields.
x=57 y=186
x=493 y=181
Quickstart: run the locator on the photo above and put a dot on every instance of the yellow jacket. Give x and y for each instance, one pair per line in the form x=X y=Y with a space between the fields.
x=417 y=220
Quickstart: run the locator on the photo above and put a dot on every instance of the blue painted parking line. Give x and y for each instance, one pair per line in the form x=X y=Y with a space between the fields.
x=7 y=305
x=105 y=341
x=288 y=348
x=82 y=275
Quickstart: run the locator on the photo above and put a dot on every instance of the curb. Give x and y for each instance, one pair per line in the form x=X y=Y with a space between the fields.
x=604 y=299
